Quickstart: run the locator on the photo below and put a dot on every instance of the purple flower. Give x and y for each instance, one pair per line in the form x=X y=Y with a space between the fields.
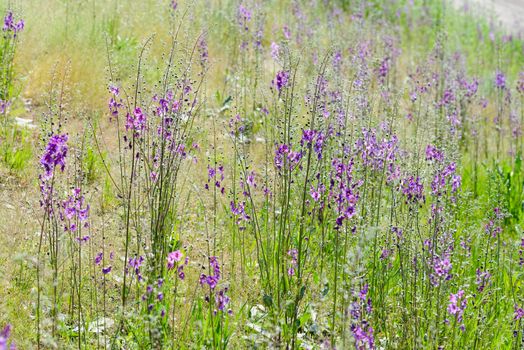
x=136 y=263
x=4 y=338
x=243 y=16
x=281 y=80
x=519 y=313
x=383 y=69
x=413 y=189
x=500 y=80
x=98 y=258
x=136 y=121
x=287 y=32
x=457 y=305
x=172 y=258
x=54 y=155
x=483 y=279
x=275 y=50
x=434 y=154
x=10 y=25
x=520 y=83
x=441 y=270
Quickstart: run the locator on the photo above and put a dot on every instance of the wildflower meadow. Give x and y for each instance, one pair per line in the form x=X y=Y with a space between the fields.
x=260 y=174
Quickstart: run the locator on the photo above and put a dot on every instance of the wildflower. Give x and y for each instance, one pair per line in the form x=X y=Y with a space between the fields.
x=519 y=313
x=243 y=16
x=520 y=83
x=500 y=80
x=434 y=154
x=383 y=69
x=413 y=189
x=54 y=155
x=4 y=338
x=360 y=327
x=98 y=258
x=483 y=279
x=11 y=26
x=441 y=270
x=275 y=50
x=457 y=305
x=136 y=263
x=172 y=258
x=136 y=121
x=287 y=32
x=281 y=80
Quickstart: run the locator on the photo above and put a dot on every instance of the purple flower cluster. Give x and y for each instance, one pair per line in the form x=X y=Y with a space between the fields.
x=360 y=327
x=518 y=313
x=114 y=103
x=244 y=17
x=136 y=121
x=483 y=279
x=284 y=155
x=54 y=155
x=281 y=80
x=500 y=80
x=293 y=254
x=5 y=334
x=413 y=189
x=315 y=139
x=154 y=297
x=212 y=280
x=493 y=227
x=441 y=270
x=216 y=175
x=457 y=305
x=434 y=154
x=376 y=153
x=240 y=212
x=135 y=263
x=10 y=25
x=74 y=210
x=99 y=259
x=343 y=191
x=173 y=259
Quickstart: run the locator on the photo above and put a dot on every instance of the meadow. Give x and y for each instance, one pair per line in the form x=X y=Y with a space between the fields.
x=260 y=174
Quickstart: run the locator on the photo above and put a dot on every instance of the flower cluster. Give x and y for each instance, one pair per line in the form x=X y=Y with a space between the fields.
x=281 y=80
x=313 y=138
x=135 y=263
x=375 y=153
x=74 y=211
x=114 y=103
x=284 y=155
x=343 y=190
x=457 y=305
x=441 y=270
x=500 y=80
x=212 y=280
x=483 y=279
x=173 y=260
x=293 y=254
x=154 y=297
x=5 y=334
x=216 y=175
x=10 y=25
x=413 y=189
x=136 y=121
x=493 y=227
x=54 y=155
x=360 y=327
x=99 y=259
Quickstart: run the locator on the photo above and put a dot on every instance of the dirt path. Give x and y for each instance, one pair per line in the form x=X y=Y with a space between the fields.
x=509 y=13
